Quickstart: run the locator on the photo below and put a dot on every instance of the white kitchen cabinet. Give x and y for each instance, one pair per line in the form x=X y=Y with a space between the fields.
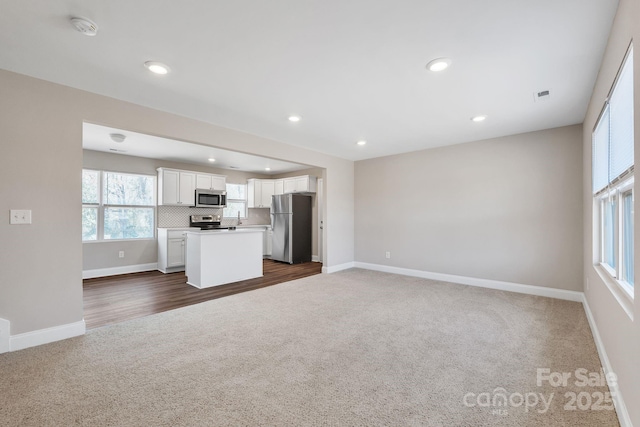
x=300 y=184
x=203 y=181
x=175 y=252
x=176 y=187
x=254 y=193
x=219 y=182
x=268 y=189
x=168 y=187
x=187 y=189
x=171 y=249
x=267 y=242
x=211 y=182
x=259 y=193
x=278 y=186
x=289 y=185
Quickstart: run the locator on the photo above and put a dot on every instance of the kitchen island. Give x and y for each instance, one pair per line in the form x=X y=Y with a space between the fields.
x=218 y=257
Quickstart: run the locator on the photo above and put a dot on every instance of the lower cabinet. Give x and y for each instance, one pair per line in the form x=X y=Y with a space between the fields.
x=266 y=242
x=175 y=252
x=171 y=247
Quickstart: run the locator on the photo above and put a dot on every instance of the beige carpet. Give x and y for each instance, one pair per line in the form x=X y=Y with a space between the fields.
x=352 y=348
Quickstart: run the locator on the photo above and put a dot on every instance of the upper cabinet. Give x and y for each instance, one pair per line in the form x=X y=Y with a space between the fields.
x=278 y=186
x=211 y=182
x=177 y=187
x=268 y=187
x=301 y=184
x=259 y=192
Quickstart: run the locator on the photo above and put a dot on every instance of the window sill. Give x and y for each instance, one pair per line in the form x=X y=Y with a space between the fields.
x=620 y=291
x=151 y=239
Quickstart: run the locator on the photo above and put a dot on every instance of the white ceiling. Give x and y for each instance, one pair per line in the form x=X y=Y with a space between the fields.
x=96 y=137
x=353 y=69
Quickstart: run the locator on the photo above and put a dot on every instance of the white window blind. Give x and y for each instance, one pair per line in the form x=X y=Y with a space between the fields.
x=601 y=152
x=613 y=135
x=621 y=107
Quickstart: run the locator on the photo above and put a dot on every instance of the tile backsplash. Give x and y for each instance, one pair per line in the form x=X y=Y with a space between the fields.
x=178 y=216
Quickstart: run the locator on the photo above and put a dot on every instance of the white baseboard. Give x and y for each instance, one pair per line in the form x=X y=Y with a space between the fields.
x=5 y=336
x=45 y=336
x=618 y=401
x=113 y=271
x=483 y=283
x=315 y=258
x=338 y=267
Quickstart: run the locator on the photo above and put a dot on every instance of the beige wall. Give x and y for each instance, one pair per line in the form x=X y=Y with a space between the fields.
x=41 y=263
x=619 y=333
x=506 y=209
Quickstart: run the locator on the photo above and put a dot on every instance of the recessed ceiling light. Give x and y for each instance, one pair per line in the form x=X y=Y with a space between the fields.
x=361 y=142
x=294 y=118
x=84 y=25
x=267 y=169
x=439 y=64
x=117 y=137
x=478 y=119
x=211 y=159
x=156 y=67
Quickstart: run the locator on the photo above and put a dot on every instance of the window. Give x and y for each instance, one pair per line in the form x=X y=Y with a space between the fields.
x=90 y=204
x=627 y=237
x=236 y=201
x=613 y=179
x=117 y=206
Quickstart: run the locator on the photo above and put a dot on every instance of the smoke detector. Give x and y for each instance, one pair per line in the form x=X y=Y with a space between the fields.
x=85 y=26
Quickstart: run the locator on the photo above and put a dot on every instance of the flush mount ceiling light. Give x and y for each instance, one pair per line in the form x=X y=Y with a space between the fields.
x=439 y=64
x=478 y=119
x=294 y=119
x=361 y=142
x=211 y=159
x=84 y=25
x=117 y=137
x=157 y=67
x=267 y=169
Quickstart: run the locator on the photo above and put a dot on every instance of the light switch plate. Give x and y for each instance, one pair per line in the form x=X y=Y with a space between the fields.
x=20 y=216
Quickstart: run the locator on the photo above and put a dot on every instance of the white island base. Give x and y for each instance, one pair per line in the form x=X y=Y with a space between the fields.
x=218 y=257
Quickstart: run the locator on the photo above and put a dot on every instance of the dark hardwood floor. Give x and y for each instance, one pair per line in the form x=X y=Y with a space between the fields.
x=113 y=299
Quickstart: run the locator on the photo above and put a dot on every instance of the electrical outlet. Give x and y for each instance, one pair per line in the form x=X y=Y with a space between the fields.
x=121 y=254
x=20 y=216
x=387 y=255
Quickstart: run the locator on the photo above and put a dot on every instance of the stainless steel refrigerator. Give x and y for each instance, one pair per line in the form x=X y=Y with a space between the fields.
x=291 y=224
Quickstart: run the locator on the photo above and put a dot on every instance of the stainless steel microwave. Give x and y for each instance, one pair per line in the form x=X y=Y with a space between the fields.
x=206 y=198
